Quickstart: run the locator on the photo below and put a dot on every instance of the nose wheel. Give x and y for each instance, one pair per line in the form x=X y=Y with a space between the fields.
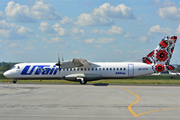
x=14 y=80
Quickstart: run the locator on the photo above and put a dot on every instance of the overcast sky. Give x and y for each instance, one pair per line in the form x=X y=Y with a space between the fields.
x=96 y=30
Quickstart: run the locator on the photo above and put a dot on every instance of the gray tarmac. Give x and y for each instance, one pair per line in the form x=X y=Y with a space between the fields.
x=87 y=102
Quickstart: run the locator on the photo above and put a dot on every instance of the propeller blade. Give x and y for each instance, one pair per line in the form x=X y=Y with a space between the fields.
x=59 y=63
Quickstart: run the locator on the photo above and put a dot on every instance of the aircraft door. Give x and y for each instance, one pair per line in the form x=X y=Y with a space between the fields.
x=18 y=69
x=131 y=69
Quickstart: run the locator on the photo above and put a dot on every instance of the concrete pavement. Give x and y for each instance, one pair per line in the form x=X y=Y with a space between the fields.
x=80 y=102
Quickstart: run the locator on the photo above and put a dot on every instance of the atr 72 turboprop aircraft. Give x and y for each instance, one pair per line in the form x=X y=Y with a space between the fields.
x=81 y=70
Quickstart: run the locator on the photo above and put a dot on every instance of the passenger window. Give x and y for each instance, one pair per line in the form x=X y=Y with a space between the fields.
x=99 y=69
x=103 y=68
x=81 y=69
x=117 y=68
x=84 y=69
x=124 y=68
x=96 y=69
x=88 y=69
x=78 y=69
x=110 y=69
x=67 y=69
x=92 y=69
x=74 y=69
x=106 y=68
x=70 y=69
x=113 y=68
x=18 y=67
x=120 y=68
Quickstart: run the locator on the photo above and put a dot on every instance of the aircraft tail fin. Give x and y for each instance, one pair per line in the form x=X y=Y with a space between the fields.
x=161 y=56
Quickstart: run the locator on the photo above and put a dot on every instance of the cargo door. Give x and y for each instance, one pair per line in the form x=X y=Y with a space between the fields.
x=131 y=69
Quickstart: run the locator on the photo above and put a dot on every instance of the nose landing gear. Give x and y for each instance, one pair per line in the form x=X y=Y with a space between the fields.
x=14 y=80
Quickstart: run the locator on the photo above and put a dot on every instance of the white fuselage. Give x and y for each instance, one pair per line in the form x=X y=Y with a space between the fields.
x=95 y=71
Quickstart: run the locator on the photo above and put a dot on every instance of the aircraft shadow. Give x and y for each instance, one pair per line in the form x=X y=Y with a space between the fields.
x=101 y=84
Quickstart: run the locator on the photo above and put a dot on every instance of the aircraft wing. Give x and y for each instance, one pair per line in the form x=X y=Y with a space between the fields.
x=76 y=62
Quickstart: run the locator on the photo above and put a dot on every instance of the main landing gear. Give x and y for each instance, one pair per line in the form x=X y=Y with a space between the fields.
x=81 y=80
x=14 y=80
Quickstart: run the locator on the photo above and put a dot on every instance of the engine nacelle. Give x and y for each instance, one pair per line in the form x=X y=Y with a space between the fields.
x=76 y=62
x=70 y=64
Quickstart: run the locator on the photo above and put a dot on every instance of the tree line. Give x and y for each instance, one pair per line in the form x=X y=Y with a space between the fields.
x=4 y=66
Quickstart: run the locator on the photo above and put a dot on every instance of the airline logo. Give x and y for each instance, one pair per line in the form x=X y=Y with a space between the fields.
x=123 y=73
x=39 y=69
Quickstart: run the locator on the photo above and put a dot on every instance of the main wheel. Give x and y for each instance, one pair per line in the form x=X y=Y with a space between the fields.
x=82 y=81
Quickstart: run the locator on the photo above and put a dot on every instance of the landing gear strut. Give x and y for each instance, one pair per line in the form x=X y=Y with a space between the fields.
x=81 y=80
x=14 y=80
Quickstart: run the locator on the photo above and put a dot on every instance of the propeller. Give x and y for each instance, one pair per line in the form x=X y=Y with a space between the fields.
x=58 y=63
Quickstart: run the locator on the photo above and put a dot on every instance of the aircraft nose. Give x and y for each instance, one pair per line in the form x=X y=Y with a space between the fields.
x=5 y=74
x=10 y=74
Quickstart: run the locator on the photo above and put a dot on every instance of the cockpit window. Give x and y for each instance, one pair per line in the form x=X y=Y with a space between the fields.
x=13 y=67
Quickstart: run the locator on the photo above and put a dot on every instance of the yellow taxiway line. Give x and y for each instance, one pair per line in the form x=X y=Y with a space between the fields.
x=137 y=100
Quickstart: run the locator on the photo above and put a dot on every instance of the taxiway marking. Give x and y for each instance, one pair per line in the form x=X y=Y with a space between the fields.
x=137 y=100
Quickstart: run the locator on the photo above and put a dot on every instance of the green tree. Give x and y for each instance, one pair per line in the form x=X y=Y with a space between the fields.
x=6 y=66
x=1 y=68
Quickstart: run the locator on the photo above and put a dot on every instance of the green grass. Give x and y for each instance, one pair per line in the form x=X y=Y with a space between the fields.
x=162 y=79
x=135 y=81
